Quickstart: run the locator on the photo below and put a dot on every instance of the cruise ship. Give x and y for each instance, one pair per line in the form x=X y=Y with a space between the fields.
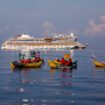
x=56 y=42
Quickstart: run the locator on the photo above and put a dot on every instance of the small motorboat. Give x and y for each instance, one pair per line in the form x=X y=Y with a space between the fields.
x=57 y=65
x=16 y=64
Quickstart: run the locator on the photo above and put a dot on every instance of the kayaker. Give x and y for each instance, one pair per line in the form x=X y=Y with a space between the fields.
x=57 y=61
x=36 y=57
x=21 y=56
x=69 y=62
x=66 y=60
x=33 y=54
x=62 y=61
x=27 y=61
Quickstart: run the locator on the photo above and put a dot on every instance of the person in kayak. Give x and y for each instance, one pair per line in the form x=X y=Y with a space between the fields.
x=66 y=60
x=36 y=57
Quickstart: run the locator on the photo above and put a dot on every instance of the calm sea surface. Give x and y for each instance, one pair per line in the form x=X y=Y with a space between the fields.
x=44 y=86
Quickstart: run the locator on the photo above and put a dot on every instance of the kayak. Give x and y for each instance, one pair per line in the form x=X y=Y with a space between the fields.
x=16 y=64
x=58 y=65
x=98 y=63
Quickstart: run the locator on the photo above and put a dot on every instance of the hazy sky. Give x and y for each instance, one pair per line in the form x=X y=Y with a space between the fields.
x=86 y=18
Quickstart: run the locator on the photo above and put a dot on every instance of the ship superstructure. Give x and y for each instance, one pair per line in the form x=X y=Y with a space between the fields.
x=57 y=42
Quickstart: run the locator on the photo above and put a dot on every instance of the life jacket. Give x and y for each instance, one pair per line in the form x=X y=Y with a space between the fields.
x=26 y=61
x=62 y=61
x=66 y=62
x=69 y=62
x=36 y=59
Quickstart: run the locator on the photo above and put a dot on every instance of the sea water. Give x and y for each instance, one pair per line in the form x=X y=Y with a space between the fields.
x=45 y=86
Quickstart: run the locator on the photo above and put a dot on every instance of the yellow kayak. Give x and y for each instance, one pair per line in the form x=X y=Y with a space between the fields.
x=53 y=64
x=16 y=64
x=98 y=63
x=58 y=65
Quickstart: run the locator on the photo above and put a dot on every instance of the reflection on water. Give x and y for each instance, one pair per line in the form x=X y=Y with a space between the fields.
x=45 y=86
x=64 y=75
x=42 y=87
x=99 y=68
